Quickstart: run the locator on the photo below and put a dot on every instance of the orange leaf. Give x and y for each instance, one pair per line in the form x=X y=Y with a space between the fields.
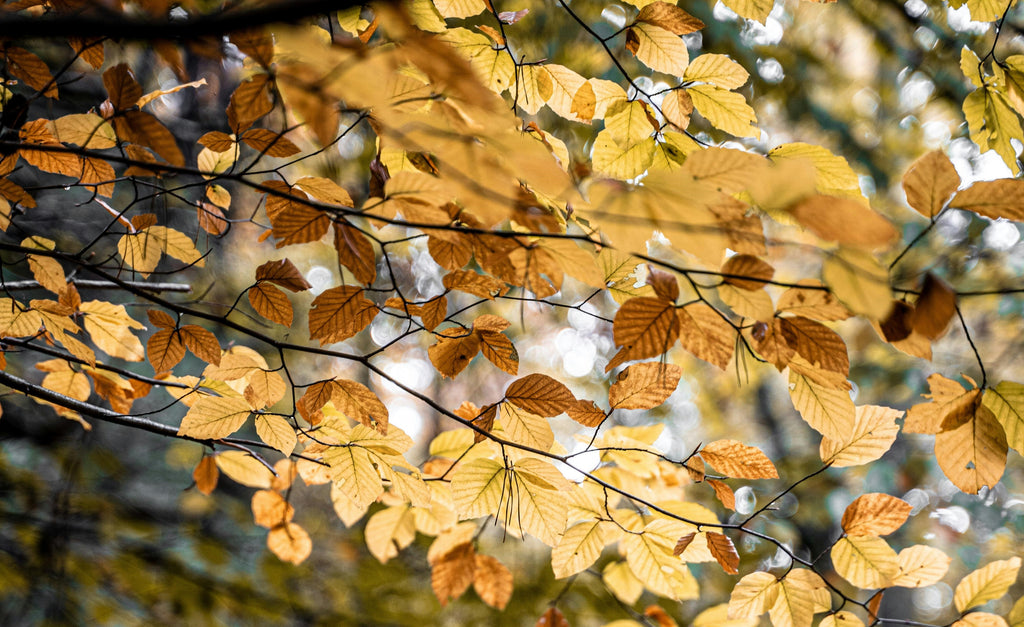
x=339 y=313
x=705 y=334
x=454 y=349
x=269 y=143
x=290 y=543
x=819 y=345
x=31 y=69
x=499 y=350
x=929 y=182
x=292 y=221
x=269 y=509
x=358 y=402
x=451 y=574
x=249 y=102
x=587 y=413
x=205 y=475
x=934 y=308
x=754 y=272
x=724 y=493
x=552 y=618
x=643 y=386
x=355 y=252
x=217 y=141
x=540 y=394
x=492 y=581
x=875 y=514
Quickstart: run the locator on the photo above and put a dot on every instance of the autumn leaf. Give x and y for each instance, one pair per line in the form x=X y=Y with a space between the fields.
x=865 y=561
x=290 y=543
x=540 y=394
x=643 y=386
x=214 y=417
x=738 y=460
x=339 y=313
x=875 y=515
x=989 y=582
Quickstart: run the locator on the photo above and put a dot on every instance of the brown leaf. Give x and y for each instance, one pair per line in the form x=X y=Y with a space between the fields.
x=643 y=327
x=771 y=343
x=31 y=69
x=897 y=325
x=540 y=394
x=90 y=50
x=217 y=141
x=165 y=350
x=929 y=182
x=255 y=43
x=739 y=460
x=749 y=272
x=269 y=143
x=707 y=336
x=724 y=552
x=474 y=283
x=161 y=319
x=819 y=345
x=499 y=350
x=664 y=283
x=1002 y=198
x=271 y=303
x=250 y=101
x=433 y=312
x=552 y=617
x=294 y=222
x=454 y=349
x=492 y=581
x=658 y=615
x=283 y=273
x=875 y=514
x=205 y=475
x=643 y=386
x=451 y=574
x=670 y=17
x=142 y=128
x=317 y=395
x=211 y=218
x=587 y=413
x=355 y=252
x=485 y=420
x=339 y=313
x=358 y=402
x=682 y=543
x=201 y=342
x=935 y=307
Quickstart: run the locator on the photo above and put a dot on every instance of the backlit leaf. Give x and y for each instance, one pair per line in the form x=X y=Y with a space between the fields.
x=214 y=417
x=644 y=327
x=578 y=548
x=738 y=460
x=540 y=394
x=290 y=543
x=865 y=561
x=874 y=431
x=989 y=582
x=875 y=515
x=753 y=595
x=827 y=410
x=339 y=313
x=643 y=386
x=929 y=182
x=973 y=455
x=920 y=566
x=492 y=581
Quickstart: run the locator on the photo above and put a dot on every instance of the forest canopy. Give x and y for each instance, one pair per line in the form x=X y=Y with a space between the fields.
x=614 y=312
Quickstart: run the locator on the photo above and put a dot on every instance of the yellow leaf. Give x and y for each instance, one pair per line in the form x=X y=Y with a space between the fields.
x=842 y=618
x=526 y=428
x=832 y=174
x=993 y=123
x=738 y=460
x=649 y=555
x=175 y=244
x=214 y=417
x=110 y=327
x=812 y=300
x=920 y=566
x=389 y=531
x=359 y=403
x=275 y=431
x=874 y=431
x=875 y=514
x=460 y=8
x=87 y=130
x=973 y=455
x=621 y=162
x=756 y=305
x=495 y=68
x=859 y=281
x=985 y=584
x=607 y=96
x=658 y=48
x=717 y=69
x=1006 y=401
x=533 y=88
x=844 y=221
x=578 y=548
x=865 y=561
x=753 y=595
x=478 y=487
x=752 y=10
x=643 y=386
x=353 y=472
x=140 y=252
x=622 y=582
x=718 y=616
x=725 y=110
x=290 y=543
x=244 y=469
x=827 y=410
x=565 y=84
x=981 y=619
x=929 y=182
x=1016 y=616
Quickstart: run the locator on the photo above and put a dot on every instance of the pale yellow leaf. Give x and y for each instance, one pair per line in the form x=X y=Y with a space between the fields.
x=874 y=431
x=275 y=431
x=865 y=561
x=214 y=417
x=920 y=566
x=717 y=69
x=245 y=469
x=859 y=281
x=985 y=584
x=578 y=548
x=828 y=411
x=753 y=595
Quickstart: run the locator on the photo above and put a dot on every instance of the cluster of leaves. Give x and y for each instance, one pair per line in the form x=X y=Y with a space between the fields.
x=508 y=213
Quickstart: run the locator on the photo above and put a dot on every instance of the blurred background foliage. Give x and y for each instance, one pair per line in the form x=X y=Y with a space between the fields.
x=103 y=526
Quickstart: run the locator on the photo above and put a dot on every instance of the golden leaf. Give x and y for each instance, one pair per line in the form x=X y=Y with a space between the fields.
x=816 y=343
x=746 y=272
x=275 y=431
x=454 y=349
x=578 y=548
x=738 y=460
x=644 y=327
x=205 y=474
x=725 y=553
x=725 y=110
x=1006 y=401
x=451 y=574
x=353 y=472
x=717 y=69
x=859 y=282
x=244 y=469
x=201 y=342
x=271 y=303
x=478 y=487
x=844 y=221
x=670 y=17
x=706 y=334
x=812 y=300
x=526 y=428
x=389 y=531
x=269 y=143
x=981 y=619
x=753 y=595
x=658 y=48
x=359 y=403
x=269 y=509
x=164 y=349
x=827 y=410
x=842 y=618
